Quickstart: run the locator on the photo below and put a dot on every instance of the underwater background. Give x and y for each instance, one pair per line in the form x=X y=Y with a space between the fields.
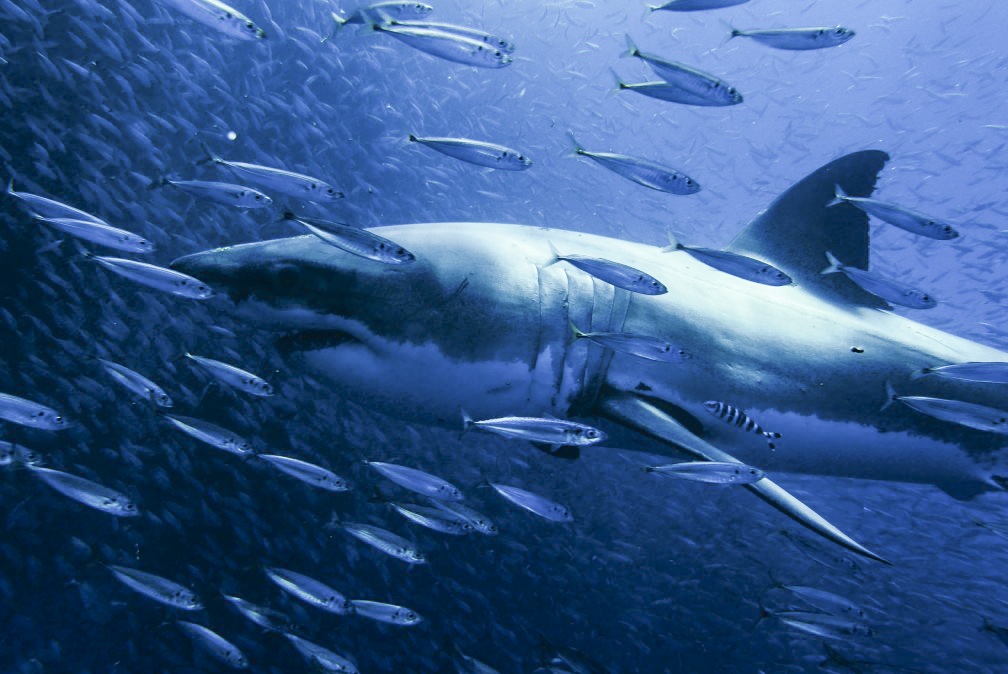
x=98 y=99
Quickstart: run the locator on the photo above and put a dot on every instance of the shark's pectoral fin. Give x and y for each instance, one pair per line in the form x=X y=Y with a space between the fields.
x=644 y=417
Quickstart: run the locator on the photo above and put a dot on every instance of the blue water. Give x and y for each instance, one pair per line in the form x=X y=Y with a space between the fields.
x=652 y=576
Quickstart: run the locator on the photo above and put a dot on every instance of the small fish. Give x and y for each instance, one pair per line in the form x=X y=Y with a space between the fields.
x=155 y=277
x=651 y=348
x=34 y=415
x=448 y=46
x=221 y=193
x=219 y=16
x=277 y=180
x=211 y=434
x=87 y=492
x=465 y=664
x=489 y=39
x=971 y=415
x=641 y=171
x=993 y=373
x=904 y=218
x=386 y=613
x=799 y=39
x=712 y=472
x=103 y=235
x=477 y=152
x=309 y=590
x=137 y=383
x=309 y=473
x=734 y=416
x=823 y=624
x=157 y=588
x=354 y=240
x=737 y=265
x=888 y=289
x=234 y=376
x=701 y=88
x=44 y=207
x=477 y=520
x=614 y=273
x=695 y=5
x=13 y=454
x=538 y=505
x=215 y=644
x=665 y=91
x=417 y=480
x=320 y=657
x=825 y=600
x=434 y=519
x=387 y=12
x=557 y=432
x=263 y=617
x=385 y=541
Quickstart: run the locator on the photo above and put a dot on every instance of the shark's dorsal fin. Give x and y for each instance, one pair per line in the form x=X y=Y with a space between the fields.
x=797 y=229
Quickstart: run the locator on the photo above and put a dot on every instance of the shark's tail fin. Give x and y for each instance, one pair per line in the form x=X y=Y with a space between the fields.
x=890 y=393
x=632 y=49
x=834 y=264
x=839 y=196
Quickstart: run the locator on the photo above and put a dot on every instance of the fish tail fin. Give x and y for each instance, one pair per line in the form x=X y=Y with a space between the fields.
x=763 y=614
x=554 y=252
x=576 y=333
x=632 y=49
x=338 y=23
x=210 y=157
x=890 y=394
x=160 y=181
x=839 y=196
x=413 y=139
x=10 y=186
x=620 y=84
x=834 y=264
x=467 y=421
x=917 y=374
x=673 y=243
x=734 y=32
x=88 y=255
x=575 y=147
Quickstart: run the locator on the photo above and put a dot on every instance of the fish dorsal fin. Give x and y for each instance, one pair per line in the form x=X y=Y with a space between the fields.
x=797 y=229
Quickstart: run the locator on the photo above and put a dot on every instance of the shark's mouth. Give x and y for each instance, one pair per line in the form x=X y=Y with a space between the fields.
x=299 y=341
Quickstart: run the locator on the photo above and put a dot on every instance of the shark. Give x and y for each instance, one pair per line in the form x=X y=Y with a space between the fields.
x=481 y=321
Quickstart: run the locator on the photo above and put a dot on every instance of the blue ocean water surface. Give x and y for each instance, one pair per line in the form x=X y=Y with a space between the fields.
x=100 y=98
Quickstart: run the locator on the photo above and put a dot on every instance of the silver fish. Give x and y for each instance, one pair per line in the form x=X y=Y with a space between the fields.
x=433 y=518
x=651 y=348
x=263 y=617
x=321 y=657
x=971 y=415
x=395 y=10
x=559 y=432
x=32 y=414
x=234 y=376
x=87 y=492
x=477 y=152
x=800 y=39
x=465 y=664
x=221 y=193
x=825 y=600
x=215 y=644
x=737 y=265
x=712 y=472
x=448 y=46
x=823 y=624
x=219 y=16
x=309 y=590
x=614 y=273
x=354 y=240
x=695 y=5
x=665 y=91
x=736 y=417
x=534 y=503
x=703 y=88
x=44 y=207
x=277 y=180
x=904 y=218
x=489 y=39
x=211 y=434
x=641 y=171
x=477 y=520
x=137 y=383
x=417 y=480
x=386 y=613
x=157 y=588
x=309 y=473
x=156 y=277
x=385 y=541
x=880 y=286
x=994 y=373
x=102 y=234
x=14 y=454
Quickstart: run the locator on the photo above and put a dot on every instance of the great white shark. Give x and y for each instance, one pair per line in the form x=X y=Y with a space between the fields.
x=481 y=321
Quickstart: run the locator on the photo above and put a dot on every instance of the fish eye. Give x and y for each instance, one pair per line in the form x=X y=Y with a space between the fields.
x=497 y=53
x=258 y=197
x=227 y=14
x=313 y=186
x=689 y=181
x=411 y=616
x=926 y=298
x=839 y=31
